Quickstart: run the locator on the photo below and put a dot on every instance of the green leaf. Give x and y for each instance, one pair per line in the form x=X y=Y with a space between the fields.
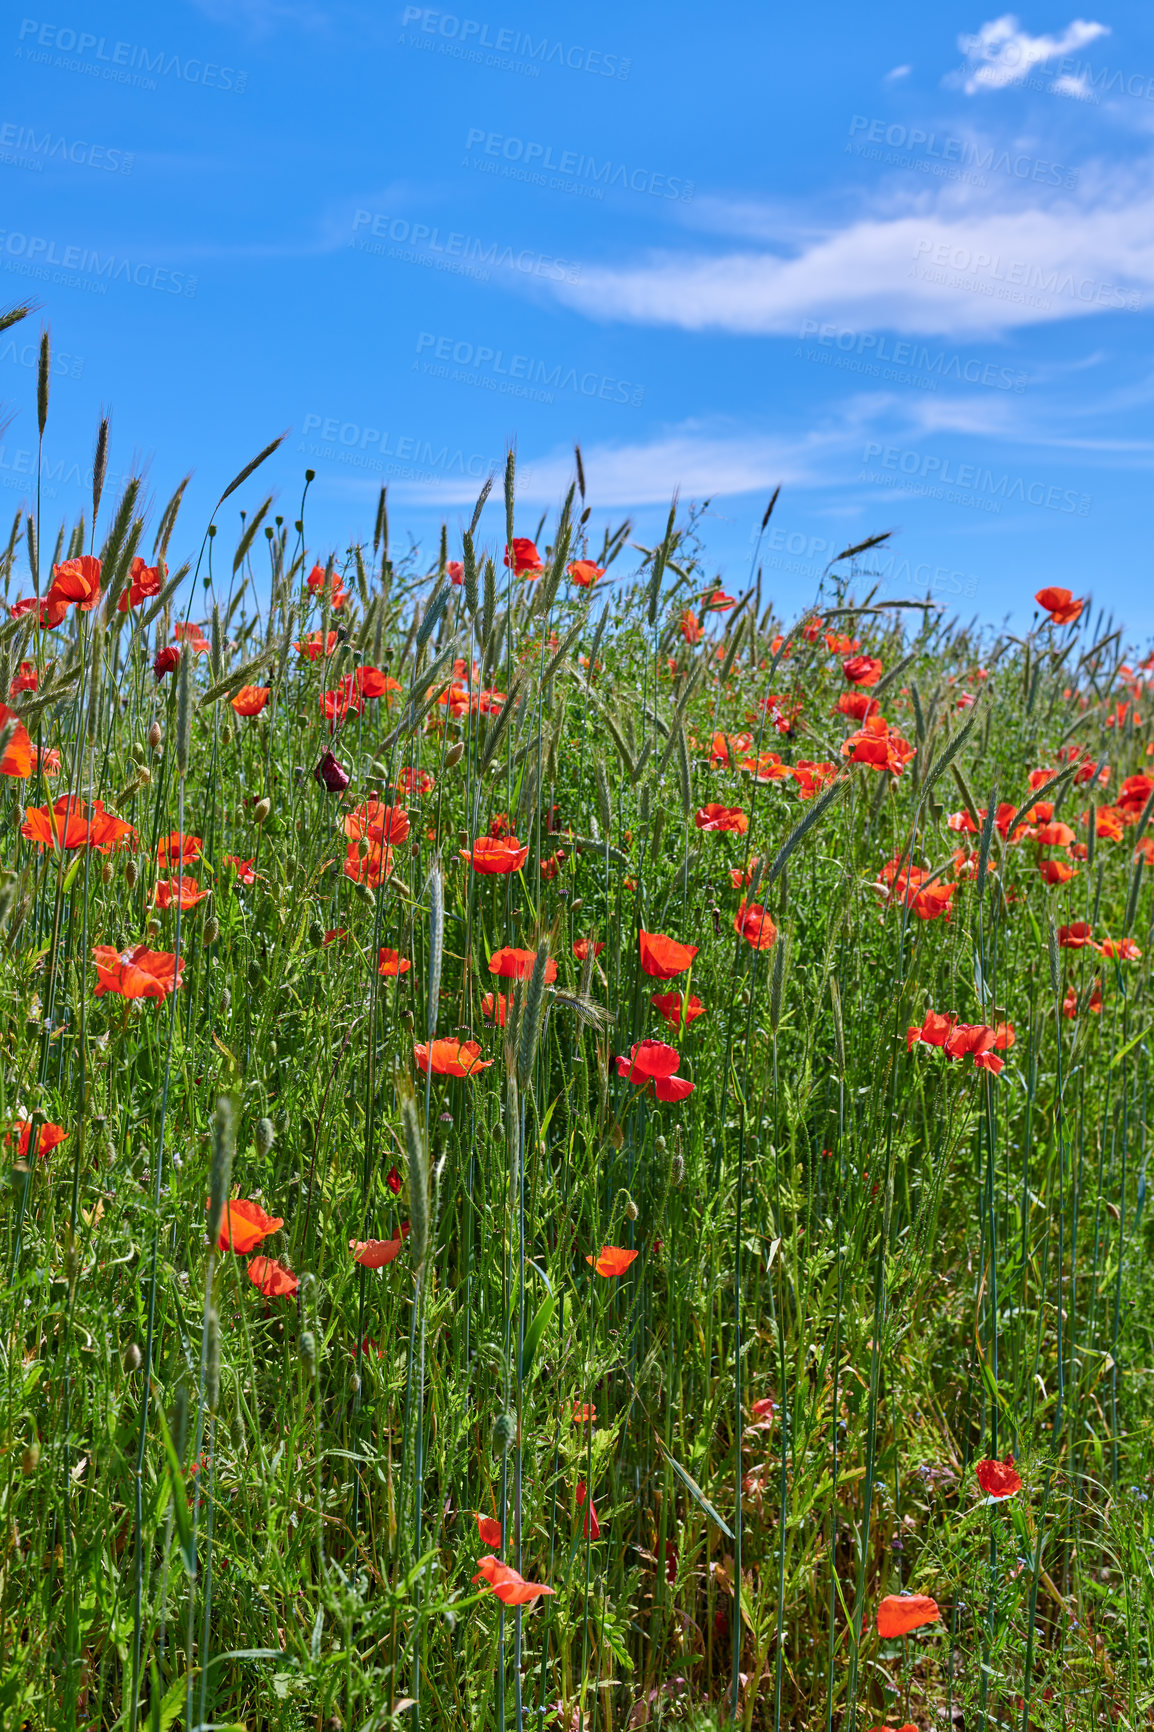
x=179 y=1498
x=696 y=1493
x=534 y=1333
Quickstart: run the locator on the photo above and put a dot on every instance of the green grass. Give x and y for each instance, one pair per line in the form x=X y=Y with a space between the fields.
x=220 y=1508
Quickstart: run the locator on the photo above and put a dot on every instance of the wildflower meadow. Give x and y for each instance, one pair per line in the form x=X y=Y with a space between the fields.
x=575 y=1150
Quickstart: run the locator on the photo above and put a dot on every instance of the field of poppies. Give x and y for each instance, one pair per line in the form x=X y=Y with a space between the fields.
x=575 y=1149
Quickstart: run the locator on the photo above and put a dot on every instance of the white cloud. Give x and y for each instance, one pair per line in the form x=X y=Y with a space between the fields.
x=897 y=72
x=1078 y=87
x=951 y=271
x=1008 y=54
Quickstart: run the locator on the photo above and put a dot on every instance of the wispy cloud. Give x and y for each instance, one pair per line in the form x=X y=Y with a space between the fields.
x=1002 y=54
x=931 y=269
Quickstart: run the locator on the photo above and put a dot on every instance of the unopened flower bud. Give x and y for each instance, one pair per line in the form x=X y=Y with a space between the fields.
x=363 y=848
x=262 y=809
x=106 y=871
x=316 y=933
x=677 y=1170
x=152 y=928
x=155 y=736
x=226 y=735
x=225 y=1002
x=30 y=1460
x=265 y=1136
x=211 y=929
x=504 y=1433
x=132 y=1357
x=454 y=755
x=631 y=1210
x=131 y=874
x=308 y=1352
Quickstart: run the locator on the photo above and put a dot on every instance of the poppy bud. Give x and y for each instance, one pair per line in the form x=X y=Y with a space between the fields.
x=226 y=735
x=504 y=1433
x=659 y=1144
x=577 y=905
x=132 y=1357
x=152 y=928
x=363 y=848
x=155 y=736
x=365 y=894
x=677 y=1170
x=307 y=1348
x=131 y=874
x=106 y=871
x=631 y=1210
x=462 y=838
x=144 y=775
x=454 y=755
x=30 y=1460
x=255 y=973
x=265 y=1136
x=225 y=1002
x=262 y=809
x=272 y=1049
x=331 y=775
x=416 y=850
x=407 y=1018
x=211 y=930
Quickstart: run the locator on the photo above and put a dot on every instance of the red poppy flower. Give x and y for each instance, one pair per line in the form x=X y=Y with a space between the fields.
x=592 y=1525
x=494 y=1007
x=245 y=869
x=755 y=926
x=898 y=1614
x=27 y=680
x=144 y=581
x=250 y=700
x=372 y=683
x=1094 y=1005
x=1076 y=936
x=186 y=891
x=310 y=645
x=1124 y=949
x=492 y=854
x=935 y=1030
x=391 y=962
x=1134 y=792
x=690 y=626
x=811 y=778
x=188 y=632
x=376 y=1253
x=999 y=1479
x=1056 y=871
x=75 y=580
x=272 y=1278
x=612 y=1260
x=715 y=817
x=989 y=1061
x=727 y=748
x=450 y=1058
x=523 y=557
x=374 y=868
x=862 y=670
x=138 y=973
x=584 y=572
x=47 y=1138
x=663 y=957
x=513 y=964
x=668 y=1005
x=415 y=782
x=176 y=849
x=648 y=1058
x=584 y=1413
x=1054 y=835
x=70 y=824
x=167 y=661
x=380 y=823
x=879 y=746
x=509 y=1584
x=858 y=705
x=962 y=823
x=394 y=1181
x=969 y=1037
x=244 y=1225
x=581 y=949
x=1060 y=605
x=488 y=1529
x=17 y=759
x=1004 y=1036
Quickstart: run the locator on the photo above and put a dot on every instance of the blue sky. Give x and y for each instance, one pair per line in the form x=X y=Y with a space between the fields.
x=901 y=263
